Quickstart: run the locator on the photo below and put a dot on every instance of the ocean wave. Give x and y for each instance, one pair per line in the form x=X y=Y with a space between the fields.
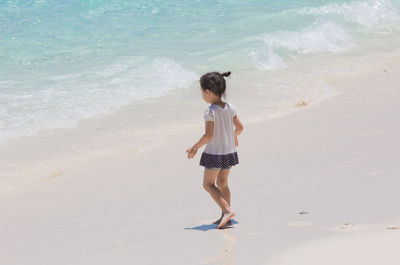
x=59 y=101
x=266 y=59
x=325 y=37
x=335 y=28
x=371 y=14
x=317 y=38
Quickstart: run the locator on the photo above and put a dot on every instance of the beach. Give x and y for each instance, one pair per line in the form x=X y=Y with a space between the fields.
x=99 y=100
x=317 y=185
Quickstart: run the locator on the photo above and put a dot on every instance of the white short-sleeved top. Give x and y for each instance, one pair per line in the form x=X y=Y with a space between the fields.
x=223 y=141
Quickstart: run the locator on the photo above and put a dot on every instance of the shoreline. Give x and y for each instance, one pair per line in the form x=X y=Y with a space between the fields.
x=326 y=159
x=144 y=126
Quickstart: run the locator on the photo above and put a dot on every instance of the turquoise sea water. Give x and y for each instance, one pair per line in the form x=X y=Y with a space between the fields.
x=63 y=61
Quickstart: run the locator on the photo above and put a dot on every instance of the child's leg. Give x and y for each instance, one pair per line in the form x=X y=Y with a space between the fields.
x=209 y=185
x=222 y=183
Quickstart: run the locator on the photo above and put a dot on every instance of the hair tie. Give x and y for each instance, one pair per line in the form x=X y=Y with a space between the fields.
x=226 y=74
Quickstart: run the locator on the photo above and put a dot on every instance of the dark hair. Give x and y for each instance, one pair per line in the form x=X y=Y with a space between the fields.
x=215 y=82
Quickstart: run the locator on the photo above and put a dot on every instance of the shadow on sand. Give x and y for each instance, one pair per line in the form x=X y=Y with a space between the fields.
x=210 y=226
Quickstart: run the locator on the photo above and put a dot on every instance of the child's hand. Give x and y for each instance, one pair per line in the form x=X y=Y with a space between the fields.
x=191 y=152
x=236 y=141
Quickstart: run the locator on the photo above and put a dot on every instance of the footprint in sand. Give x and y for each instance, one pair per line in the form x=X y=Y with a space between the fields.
x=374 y=173
x=355 y=227
x=301 y=104
x=346 y=226
x=52 y=176
x=299 y=224
x=393 y=227
x=360 y=227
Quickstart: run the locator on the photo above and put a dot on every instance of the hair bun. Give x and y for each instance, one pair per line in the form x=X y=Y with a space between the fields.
x=226 y=74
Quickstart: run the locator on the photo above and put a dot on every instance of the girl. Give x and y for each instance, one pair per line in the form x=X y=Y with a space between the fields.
x=221 y=139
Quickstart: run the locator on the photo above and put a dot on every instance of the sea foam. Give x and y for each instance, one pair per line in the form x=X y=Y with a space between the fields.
x=369 y=15
x=63 y=61
x=59 y=101
x=318 y=38
x=334 y=28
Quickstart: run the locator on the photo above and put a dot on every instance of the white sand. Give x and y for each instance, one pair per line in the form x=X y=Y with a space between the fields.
x=338 y=160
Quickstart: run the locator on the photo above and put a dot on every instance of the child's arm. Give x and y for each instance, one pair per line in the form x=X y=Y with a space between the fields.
x=208 y=135
x=238 y=128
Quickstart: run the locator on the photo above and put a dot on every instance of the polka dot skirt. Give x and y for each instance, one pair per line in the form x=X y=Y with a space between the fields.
x=219 y=161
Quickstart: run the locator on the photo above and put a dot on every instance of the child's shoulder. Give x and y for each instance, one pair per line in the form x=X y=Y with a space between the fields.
x=232 y=108
x=230 y=105
x=214 y=106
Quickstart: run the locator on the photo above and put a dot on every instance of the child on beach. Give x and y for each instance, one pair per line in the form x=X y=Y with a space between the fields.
x=222 y=126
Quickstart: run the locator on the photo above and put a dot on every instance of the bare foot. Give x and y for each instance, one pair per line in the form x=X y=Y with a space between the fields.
x=225 y=218
x=219 y=220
